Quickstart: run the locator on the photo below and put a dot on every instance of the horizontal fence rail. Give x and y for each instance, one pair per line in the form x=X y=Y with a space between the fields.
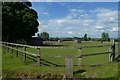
x=95 y=54
x=95 y=46
x=33 y=54
x=15 y=46
x=111 y=52
x=22 y=45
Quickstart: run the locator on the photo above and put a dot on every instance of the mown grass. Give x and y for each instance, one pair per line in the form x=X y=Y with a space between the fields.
x=92 y=66
x=15 y=67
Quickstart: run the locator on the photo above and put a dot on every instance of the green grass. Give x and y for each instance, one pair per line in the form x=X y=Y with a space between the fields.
x=84 y=43
x=13 y=66
x=92 y=66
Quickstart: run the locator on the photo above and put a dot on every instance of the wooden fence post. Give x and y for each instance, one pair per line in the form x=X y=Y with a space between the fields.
x=112 y=51
x=110 y=55
x=7 y=47
x=16 y=51
x=3 y=47
x=38 y=56
x=24 y=54
x=79 y=56
x=69 y=66
x=11 y=48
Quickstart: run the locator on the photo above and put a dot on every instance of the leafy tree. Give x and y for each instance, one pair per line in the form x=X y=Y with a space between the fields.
x=45 y=36
x=85 y=37
x=75 y=38
x=89 y=38
x=105 y=36
x=19 y=21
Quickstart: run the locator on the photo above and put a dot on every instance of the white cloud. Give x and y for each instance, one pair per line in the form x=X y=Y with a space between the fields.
x=79 y=33
x=77 y=13
x=107 y=16
x=77 y=24
x=77 y=10
x=99 y=28
x=114 y=29
x=73 y=10
x=67 y=28
x=101 y=10
x=112 y=14
x=70 y=32
x=45 y=13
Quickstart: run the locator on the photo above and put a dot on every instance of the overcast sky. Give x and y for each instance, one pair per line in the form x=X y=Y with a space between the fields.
x=74 y=19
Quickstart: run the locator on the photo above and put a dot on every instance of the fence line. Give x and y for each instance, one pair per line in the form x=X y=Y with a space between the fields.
x=6 y=44
x=18 y=50
x=95 y=54
x=22 y=45
x=111 y=52
x=94 y=46
x=69 y=61
x=24 y=52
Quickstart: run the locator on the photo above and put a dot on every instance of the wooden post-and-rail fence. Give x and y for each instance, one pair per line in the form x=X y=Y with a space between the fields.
x=14 y=47
x=111 y=52
x=69 y=59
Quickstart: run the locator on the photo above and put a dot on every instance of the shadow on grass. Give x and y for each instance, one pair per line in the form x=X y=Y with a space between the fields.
x=33 y=59
x=53 y=64
x=117 y=59
x=79 y=71
x=50 y=63
x=96 y=65
x=45 y=62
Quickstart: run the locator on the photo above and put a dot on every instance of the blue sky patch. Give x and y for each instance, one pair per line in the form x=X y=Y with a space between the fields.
x=74 y=19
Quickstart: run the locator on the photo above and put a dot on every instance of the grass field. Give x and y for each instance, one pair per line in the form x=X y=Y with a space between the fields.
x=91 y=67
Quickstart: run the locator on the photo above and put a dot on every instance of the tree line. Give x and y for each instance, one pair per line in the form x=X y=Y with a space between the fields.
x=19 y=21
x=45 y=37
